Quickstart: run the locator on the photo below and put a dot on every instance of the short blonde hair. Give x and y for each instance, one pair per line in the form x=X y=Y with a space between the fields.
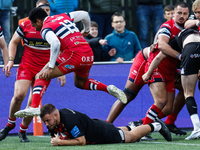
x=195 y=4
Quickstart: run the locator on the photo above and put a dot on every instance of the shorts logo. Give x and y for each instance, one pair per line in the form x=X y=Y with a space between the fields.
x=69 y=66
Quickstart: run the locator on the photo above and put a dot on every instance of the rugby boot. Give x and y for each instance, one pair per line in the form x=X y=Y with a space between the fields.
x=119 y=94
x=30 y=111
x=4 y=132
x=164 y=131
x=23 y=137
x=172 y=128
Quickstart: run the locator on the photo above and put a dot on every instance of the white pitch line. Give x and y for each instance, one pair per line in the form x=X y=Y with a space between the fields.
x=173 y=143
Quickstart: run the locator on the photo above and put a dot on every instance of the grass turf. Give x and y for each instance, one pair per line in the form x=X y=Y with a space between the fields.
x=40 y=143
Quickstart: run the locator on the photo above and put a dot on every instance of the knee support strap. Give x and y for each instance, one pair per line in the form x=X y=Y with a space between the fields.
x=191 y=105
x=130 y=93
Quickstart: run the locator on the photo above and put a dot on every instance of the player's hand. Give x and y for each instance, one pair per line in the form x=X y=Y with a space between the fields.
x=84 y=34
x=62 y=80
x=55 y=140
x=120 y=60
x=45 y=74
x=153 y=46
x=7 y=68
x=145 y=77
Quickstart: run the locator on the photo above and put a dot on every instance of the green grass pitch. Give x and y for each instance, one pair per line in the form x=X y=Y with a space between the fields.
x=43 y=143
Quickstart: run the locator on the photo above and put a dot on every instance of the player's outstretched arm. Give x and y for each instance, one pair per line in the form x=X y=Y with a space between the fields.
x=56 y=141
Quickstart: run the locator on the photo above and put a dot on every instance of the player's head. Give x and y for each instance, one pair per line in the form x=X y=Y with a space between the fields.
x=50 y=116
x=181 y=13
x=196 y=8
x=168 y=12
x=37 y=15
x=44 y=4
x=118 y=22
x=94 y=29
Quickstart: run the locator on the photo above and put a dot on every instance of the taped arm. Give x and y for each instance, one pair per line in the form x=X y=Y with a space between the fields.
x=81 y=16
x=52 y=39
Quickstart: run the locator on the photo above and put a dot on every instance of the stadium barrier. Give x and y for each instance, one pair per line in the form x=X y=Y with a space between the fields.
x=96 y=104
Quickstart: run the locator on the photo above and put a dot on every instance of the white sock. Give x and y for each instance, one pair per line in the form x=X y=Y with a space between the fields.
x=195 y=121
x=157 y=126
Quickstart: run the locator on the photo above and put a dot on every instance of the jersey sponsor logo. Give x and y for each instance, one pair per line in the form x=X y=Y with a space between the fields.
x=76 y=43
x=69 y=66
x=75 y=38
x=194 y=55
x=75 y=132
x=38 y=44
x=87 y=59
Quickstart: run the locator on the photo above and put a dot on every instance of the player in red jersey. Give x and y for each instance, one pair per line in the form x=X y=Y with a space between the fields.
x=36 y=55
x=161 y=81
x=76 y=55
x=135 y=83
x=4 y=50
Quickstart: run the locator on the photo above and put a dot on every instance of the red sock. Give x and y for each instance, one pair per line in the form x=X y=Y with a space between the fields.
x=171 y=118
x=92 y=84
x=40 y=86
x=143 y=120
x=11 y=122
x=161 y=115
x=151 y=114
x=22 y=128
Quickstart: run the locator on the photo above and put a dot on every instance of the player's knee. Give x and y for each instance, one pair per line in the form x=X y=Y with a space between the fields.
x=18 y=98
x=130 y=94
x=168 y=111
x=78 y=85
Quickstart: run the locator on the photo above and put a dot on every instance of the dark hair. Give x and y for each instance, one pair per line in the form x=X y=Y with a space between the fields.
x=47 y=109
x=94 y=24
x=37 y=13
x=181 y=4
x=118 y=14
x=168 y=8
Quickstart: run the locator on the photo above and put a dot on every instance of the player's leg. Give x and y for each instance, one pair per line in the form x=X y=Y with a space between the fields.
x=169 y=105
x=91 y=84
x=138 y=132
x=40 y=86
x=189 y=84
x=133 y=85
x=27 y=120
x=159 y=93
x=131 y=90
x=20 y=91
x=179 y=102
